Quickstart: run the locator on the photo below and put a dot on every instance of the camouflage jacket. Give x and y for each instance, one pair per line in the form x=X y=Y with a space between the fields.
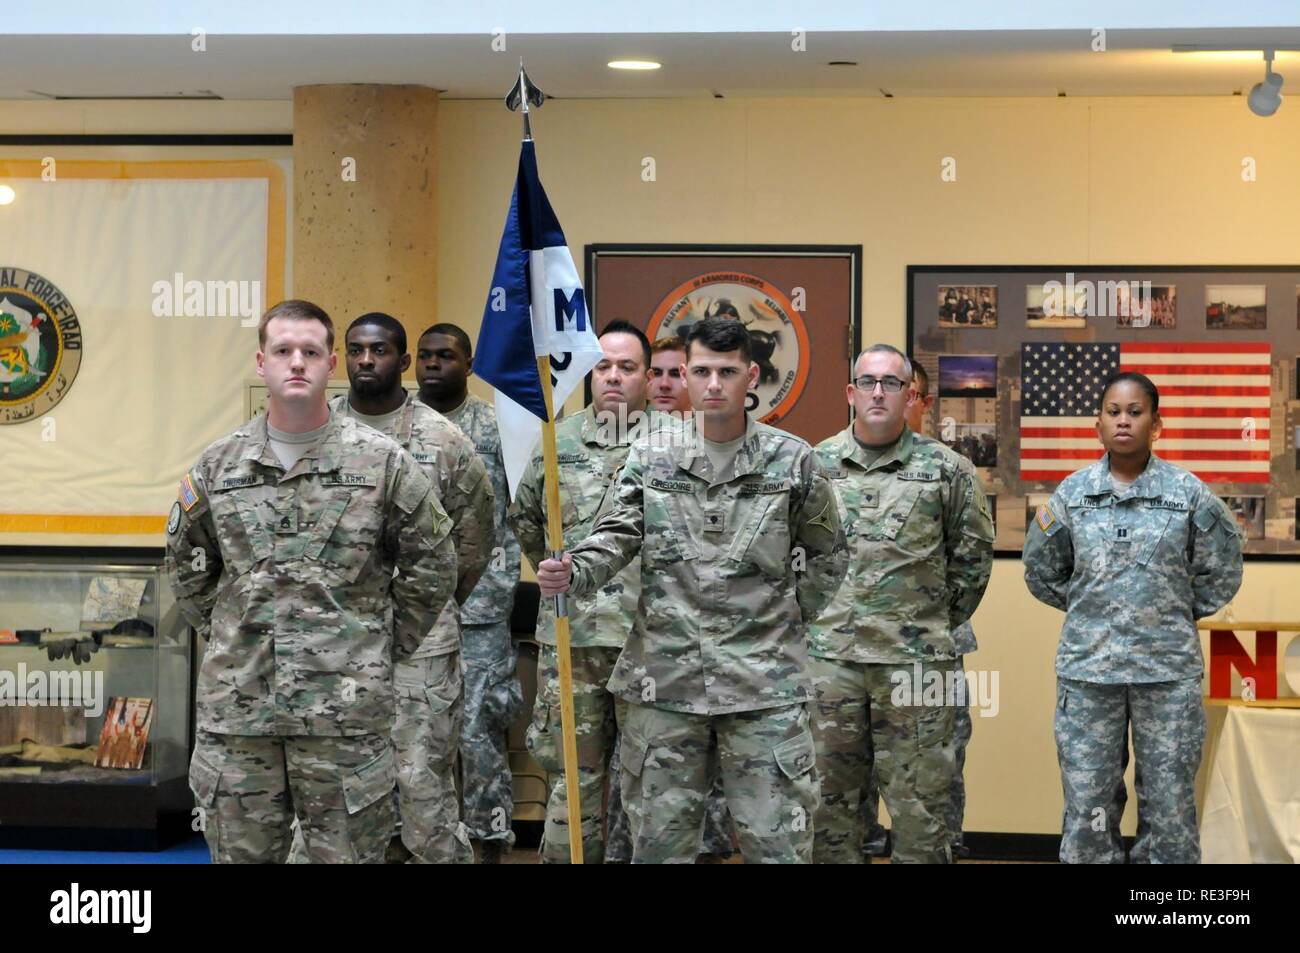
x=1132 y=571
x=589 y=452
x=921 y=550
x=308 y=582
x=732 y=567
x=494 y=596
x=460 y=479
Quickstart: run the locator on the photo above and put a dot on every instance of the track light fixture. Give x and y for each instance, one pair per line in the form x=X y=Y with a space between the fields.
x=1265 y=97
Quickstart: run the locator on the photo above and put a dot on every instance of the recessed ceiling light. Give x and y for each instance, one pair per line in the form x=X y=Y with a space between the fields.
x=7 y=195
x=633 y=64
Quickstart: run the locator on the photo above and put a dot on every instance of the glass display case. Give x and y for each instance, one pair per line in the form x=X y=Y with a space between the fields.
x=96 y=701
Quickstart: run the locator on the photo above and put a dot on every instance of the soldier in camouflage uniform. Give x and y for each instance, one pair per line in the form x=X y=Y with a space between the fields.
x=493 y=696
x=311 y=551
x=875 y=839
x=1134 y=550
x=740 y=543
x=426 y=733
x=668 y=395
x=591 y=448
x=921 y=551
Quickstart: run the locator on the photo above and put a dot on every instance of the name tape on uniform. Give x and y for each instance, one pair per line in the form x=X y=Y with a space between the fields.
x=347 y=479
x=672 y=486
x=770 y=486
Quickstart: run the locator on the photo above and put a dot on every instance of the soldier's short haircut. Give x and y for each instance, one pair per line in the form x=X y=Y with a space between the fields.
x=667 y=344
x=623 y=327
x=1141 y=380
x=295 y=309
x=921 y=376
x=380 y=320
x=720 y=334
x=452 y=331
x=885 y=349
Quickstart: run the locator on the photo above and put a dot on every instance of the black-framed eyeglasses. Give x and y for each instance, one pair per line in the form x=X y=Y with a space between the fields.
x=890 y=383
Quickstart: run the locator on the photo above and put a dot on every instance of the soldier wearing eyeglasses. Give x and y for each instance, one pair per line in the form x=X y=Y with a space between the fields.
x=884 y=660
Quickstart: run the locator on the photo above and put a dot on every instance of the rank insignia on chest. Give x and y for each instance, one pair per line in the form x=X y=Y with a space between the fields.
x=1121 y=534
x=286 y=524
x=870 y=500
x=714 y=523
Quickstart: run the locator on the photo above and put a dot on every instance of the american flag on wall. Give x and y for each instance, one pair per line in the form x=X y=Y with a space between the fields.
x=1206 y=390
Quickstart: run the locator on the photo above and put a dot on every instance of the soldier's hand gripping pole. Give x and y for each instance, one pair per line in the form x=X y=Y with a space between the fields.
x=555 y=541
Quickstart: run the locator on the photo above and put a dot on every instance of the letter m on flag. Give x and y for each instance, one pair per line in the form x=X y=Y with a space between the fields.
x=570 y=310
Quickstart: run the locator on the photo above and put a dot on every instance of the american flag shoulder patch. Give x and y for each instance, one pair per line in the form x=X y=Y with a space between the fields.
x=1045 y=517
x=186 y=493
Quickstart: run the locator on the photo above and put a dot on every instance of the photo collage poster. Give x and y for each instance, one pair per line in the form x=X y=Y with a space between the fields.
x=1016 y=356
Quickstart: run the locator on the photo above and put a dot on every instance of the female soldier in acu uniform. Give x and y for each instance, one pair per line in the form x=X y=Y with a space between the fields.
x=1135 y=550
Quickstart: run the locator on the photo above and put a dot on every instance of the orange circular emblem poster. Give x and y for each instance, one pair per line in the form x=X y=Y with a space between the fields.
x=777 y=336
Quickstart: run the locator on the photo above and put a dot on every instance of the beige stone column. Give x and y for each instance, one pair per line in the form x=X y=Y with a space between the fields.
x=364 y=202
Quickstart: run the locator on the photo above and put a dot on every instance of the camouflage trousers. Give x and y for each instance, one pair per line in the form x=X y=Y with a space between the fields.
x=873 y=843
x=716 y=836
x=426 y=734
x=247 y=789
x=597 y=715
x=1141 y=850
x=425 y=731
x=767 y=768
x=493 y=699
x=1168 y=724
x=912 y=744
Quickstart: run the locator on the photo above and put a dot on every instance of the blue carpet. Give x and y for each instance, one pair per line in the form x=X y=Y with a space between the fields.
x=193 y=851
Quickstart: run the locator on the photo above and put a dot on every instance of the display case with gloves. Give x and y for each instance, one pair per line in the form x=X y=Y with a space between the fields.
x=96 y=701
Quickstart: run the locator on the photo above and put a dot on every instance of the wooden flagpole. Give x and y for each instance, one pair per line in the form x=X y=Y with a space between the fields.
x=555 y=541
x=521 y=97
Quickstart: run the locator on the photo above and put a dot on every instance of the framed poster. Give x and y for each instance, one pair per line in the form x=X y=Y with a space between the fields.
x=801 y=303
x=1017 y=355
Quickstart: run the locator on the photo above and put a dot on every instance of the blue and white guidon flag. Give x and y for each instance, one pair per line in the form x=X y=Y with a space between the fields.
x=535 y=308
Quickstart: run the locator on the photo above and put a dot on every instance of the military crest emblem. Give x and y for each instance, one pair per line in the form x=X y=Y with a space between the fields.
x=778 y=338
x=40 y=345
